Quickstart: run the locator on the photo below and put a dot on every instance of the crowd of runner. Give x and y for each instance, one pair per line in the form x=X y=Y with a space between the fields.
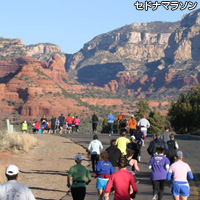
x=59 y=124
x=116 y=167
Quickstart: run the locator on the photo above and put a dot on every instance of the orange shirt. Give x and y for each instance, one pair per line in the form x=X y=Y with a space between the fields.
x=131 y=125
x=119 y=117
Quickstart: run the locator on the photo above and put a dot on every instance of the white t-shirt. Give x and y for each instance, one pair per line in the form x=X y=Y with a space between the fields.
x=95 y=147
x=12 y=190
x=144 y=123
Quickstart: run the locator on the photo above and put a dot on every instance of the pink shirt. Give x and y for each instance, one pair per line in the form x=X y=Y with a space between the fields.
x=77 y=121
x=179 y=169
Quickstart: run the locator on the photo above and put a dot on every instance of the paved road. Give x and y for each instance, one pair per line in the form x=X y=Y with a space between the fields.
x=188 y=144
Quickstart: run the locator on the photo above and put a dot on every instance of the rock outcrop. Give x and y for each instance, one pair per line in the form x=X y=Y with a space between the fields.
x=158 y=58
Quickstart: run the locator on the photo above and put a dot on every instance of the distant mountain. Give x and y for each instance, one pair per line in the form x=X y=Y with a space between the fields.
x=155 y=60
x=158 y=59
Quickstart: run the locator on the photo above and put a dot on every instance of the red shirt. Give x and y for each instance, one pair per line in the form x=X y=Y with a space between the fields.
x=69 y=120
x=37 y=125
x=121 y=181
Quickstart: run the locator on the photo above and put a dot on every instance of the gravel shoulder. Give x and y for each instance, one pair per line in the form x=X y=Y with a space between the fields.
x=44 y=169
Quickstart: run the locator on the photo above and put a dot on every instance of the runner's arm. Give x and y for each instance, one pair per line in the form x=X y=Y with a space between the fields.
x=69 y=181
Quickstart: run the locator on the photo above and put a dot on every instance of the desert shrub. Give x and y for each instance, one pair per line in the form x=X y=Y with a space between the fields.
x=17 y=142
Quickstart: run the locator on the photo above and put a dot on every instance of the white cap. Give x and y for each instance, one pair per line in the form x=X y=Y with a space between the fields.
x=133 y=137
x=132 y=115
x=12 y=170
x=78 y=157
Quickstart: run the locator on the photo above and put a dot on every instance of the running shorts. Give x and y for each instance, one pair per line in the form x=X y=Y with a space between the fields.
x=69 y=125
x=180 y=188
x=101 y=183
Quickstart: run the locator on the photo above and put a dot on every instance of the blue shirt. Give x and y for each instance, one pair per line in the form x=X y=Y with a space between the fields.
x=104 y=167
x=111 y=119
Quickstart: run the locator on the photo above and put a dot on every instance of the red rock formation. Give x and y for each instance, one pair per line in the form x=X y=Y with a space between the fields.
x=106 y=102
x=57 y=69
x=168 y=78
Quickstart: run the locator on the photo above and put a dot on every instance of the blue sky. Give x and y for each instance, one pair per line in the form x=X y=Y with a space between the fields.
x=72 y=23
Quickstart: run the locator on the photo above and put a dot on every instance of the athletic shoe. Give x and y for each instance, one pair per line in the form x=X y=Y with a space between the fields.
x=155 y=197
x=139 y=158
x=109 y=134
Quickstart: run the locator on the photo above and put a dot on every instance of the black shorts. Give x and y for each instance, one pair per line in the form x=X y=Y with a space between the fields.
x=78 y=193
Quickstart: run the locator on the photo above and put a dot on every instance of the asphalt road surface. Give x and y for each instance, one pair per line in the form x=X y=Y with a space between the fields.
x=190 y=145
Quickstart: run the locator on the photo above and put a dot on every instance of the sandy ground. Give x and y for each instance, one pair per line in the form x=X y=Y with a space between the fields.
x=44 y=169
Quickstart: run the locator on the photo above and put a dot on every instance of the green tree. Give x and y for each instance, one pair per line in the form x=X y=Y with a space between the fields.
x=184 y=114
x=157 y=122
x=143 y=108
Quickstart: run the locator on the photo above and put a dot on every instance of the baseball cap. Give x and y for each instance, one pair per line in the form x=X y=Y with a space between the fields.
x=144 y=115
x=78 y=157
x=12 y=170
x=132 y=137
x=158 y=133
x=179 y=154
x=132 y=115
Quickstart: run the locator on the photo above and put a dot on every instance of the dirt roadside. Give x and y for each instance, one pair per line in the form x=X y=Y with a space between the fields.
x=44 y=169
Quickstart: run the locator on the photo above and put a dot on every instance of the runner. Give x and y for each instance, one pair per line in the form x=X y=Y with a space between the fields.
x=123 y=124
x=173 y=146
x=44 y=127
x=77 y=122
x=103 y=170
x=24 y=126
x=95 y=147
x=180 y=171
x=94 y=122
x=160 y=166
x=43 y=121
x=36 y=127
x=165 y=135
x=12 y=189
x=157 y=142
x=132 y=166
x=73 y=125
x=69 y=121
x=122 y=142
x=78 y=173
x=110 y=123
x=139 y=138
x=132 y=125
x=134 y=146
x=119 y=117
x=48 y=128
x=121 y=181
x=61 y=119
x=144 y=124
x=114 y=154
x=57 y=125
x=53 y=124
